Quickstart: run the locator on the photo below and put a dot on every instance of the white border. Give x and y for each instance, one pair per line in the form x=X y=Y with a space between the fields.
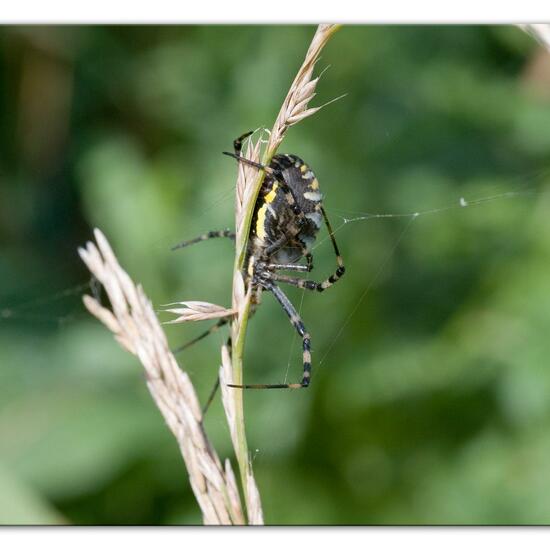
x=69 y=538
x=282 y=11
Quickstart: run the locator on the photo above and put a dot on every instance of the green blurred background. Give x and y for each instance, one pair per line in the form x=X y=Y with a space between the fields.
x=430 y=400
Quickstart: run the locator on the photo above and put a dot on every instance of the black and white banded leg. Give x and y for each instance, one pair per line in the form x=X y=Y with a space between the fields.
x=298 y=324
x=206 y=236
x=295 y=267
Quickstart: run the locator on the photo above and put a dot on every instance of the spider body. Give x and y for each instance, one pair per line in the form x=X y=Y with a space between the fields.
x=287 y=217
x=275 y=219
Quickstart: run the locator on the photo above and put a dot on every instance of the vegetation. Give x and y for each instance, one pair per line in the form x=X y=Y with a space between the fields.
x=430 y=393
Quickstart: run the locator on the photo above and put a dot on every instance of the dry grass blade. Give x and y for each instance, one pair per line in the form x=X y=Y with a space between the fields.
x=301 y=92
x=197 y=311
x=540 y=31
x=136 y=327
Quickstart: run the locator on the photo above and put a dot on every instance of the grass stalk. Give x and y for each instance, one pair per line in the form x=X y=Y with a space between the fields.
x=293 y=110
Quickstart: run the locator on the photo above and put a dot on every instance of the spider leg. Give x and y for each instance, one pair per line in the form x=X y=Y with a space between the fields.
x=340 y=270
x=295 y=267
x=309 y=261
x=244 y=160
x=314 y=285
x=206 y=333
x=294 y=281
x=272 y=267
x=289 y=267
x=297 y=323
x=238 y=143
x=206 y=236
x=216 y=385
x=213 y=392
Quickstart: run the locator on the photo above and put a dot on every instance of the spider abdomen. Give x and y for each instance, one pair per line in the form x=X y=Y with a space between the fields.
x=275 y=219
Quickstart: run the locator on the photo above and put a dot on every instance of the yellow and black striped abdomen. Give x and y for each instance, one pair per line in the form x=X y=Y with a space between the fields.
x=275 y=217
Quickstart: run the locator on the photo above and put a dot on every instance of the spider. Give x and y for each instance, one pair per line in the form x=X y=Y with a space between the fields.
x=287 y=217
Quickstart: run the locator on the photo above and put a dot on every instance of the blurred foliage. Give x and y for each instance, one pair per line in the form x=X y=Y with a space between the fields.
x=430 y=400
